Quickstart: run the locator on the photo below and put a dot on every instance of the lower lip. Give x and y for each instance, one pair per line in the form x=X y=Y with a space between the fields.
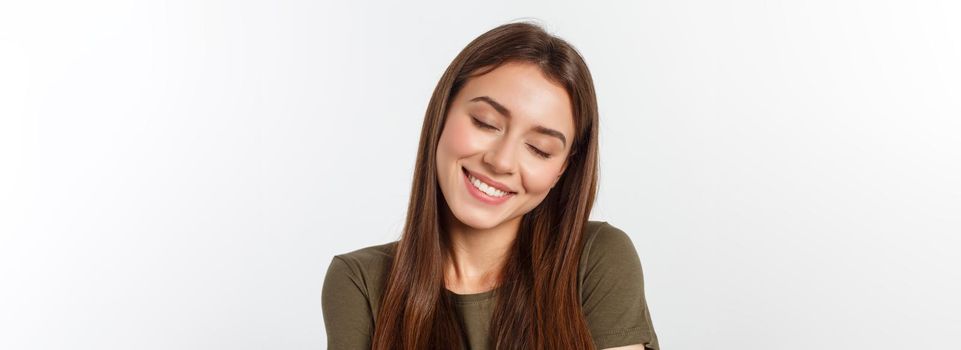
x=481 y=196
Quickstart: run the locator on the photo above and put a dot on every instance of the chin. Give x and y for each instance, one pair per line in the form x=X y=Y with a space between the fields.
x=477 y=221
x=485 y=221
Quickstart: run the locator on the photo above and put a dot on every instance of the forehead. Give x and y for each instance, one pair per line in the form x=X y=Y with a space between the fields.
x=523 y=89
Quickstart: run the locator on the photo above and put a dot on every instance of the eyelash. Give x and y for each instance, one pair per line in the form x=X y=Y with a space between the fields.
x=536 y=151
x=482 y=124
x=539 y=153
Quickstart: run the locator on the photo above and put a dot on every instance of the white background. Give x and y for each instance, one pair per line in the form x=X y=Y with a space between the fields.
x=178 y=175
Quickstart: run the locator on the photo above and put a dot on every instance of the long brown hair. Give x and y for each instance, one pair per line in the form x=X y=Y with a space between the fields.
x=538 y=304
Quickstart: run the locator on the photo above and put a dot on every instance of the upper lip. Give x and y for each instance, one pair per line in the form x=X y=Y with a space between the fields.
x=488 y=181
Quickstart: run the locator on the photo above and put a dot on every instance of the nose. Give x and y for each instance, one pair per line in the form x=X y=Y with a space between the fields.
x=500 y=158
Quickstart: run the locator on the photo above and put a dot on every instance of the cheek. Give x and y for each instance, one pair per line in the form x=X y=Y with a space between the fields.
x=539 y=178
x=457 y=140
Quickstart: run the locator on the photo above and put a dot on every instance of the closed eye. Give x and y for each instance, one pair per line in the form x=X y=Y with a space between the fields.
x=481 y=124
x=539 y=153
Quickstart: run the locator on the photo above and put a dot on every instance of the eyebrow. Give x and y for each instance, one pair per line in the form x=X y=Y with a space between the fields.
x=507 y=113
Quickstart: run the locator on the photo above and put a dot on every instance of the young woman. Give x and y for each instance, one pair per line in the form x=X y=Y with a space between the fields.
x=497 y=251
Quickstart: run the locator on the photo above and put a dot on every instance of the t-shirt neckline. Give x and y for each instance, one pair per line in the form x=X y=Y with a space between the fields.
x=472 y=297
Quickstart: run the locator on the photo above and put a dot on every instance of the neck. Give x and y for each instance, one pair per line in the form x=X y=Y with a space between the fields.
x=477 y=256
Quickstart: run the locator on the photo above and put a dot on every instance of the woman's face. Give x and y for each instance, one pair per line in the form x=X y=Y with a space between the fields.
x=504 y=145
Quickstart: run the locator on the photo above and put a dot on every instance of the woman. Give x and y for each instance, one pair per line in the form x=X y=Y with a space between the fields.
x=497 y=251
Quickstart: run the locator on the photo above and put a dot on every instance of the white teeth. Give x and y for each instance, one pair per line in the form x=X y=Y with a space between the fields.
x=489 y=190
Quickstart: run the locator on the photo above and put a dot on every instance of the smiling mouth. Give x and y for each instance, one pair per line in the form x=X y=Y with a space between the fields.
x=486 y=188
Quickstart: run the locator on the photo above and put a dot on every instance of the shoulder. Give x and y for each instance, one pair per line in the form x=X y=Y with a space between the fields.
x=350 y=293
x=364 y=269
x=604 y=233
x=612 y=289
x=608 y=258
x=366 y=258
x=604 y=242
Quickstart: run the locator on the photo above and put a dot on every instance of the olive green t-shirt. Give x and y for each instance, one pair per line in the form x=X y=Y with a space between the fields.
x=611 y=290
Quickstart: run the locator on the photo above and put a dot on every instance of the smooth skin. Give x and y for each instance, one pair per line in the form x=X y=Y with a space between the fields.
x=480 y=136
x=514 y=126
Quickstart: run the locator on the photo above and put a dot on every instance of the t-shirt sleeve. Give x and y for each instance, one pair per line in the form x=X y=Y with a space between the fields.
x=613 y=292
x=347 y=314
